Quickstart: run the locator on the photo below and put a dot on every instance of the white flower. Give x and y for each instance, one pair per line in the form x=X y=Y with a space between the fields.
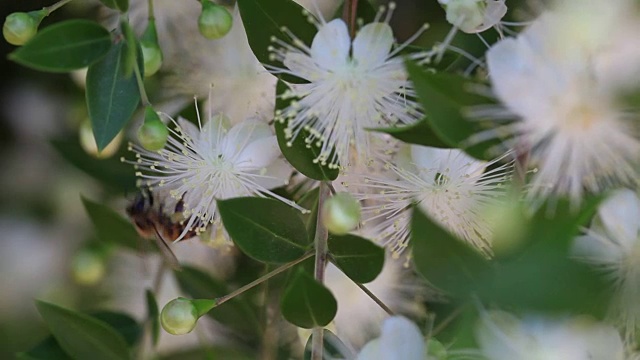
x=613 y=244
x=561 y=79
x=400 y=340
x=502 y=336
x=448 y=185
x=352 y=86
x=358 y=318
x=474 y=16
x=203 y=164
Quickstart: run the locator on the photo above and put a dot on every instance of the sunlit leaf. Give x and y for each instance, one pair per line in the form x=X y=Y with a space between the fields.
x=66 y=46
x=153 y=316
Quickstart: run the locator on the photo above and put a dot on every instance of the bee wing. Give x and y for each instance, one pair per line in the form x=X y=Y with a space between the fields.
x=168 y=255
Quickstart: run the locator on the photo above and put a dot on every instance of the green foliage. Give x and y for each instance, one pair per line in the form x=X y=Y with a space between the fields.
x=237 y=313
x=445 y=98
x=265 y=229
x=111 y=227
x=360 y=259
x=65 y=46
x=332 y=345
x=300 y=154
x=420 y=133
x=111 y=96
x=264 y=19
x=307 y=303
x=82 y=336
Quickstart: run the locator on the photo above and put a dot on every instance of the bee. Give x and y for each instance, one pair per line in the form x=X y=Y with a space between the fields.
x=151 y=221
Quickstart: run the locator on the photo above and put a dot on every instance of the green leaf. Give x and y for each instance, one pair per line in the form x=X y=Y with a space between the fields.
x=307 y=303
x=82 y=336
x=445 y=98
x=360 y=259
x=47 y=349
x=541 y=275
x=111 y=172
x=210 y=352
x=153 y=316
x=66 y=46
x=333 y=347
x=420 y=133
x=111 y=97
x=110 y=226
x=124 y=324
x=236 y=313
x=265 y=229
x=299 y=154
x=310 y=201
x=264 y=19
x=445 y=261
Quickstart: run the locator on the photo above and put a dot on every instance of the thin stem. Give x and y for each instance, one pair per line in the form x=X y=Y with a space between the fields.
x=151 y=14
x=376 y=299
x=448 y=320
x=262 y=279
x=332 y=189
x=320 y=240
x=143 y=92
x=56 y=6
x=349 y=13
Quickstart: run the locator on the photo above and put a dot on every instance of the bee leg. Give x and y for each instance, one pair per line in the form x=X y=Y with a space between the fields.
x=168 y=255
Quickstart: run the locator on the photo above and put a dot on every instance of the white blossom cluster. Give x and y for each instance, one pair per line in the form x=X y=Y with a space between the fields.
x=560 y=85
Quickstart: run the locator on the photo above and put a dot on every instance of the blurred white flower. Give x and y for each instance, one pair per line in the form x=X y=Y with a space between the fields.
x=474 y=16
x=200 y=165
x=613 y=245
x=561 y=78
x=502 y=336
x=448 y=185
x=359 y=317
x=351 y=86
x=400 y=339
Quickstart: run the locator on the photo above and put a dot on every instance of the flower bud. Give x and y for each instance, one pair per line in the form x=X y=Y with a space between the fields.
x=179 y=316
x=87 y=267
x=151 y=51
x=435 y=350
x=153 y=133
x=341 y=213
x=465 y=14
x=20 y=27
x=215 y=21
x=88 y=142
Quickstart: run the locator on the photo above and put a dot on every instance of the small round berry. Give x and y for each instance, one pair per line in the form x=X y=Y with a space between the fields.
x=179 y=316
x=341 y=213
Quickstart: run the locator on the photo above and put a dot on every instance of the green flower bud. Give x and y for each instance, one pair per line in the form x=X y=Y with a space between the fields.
x=179 y=316
x=20 y=27
x=435 y=350
x=87 y=267
x=215 y=21
x=341 y=213
x=151 y=51
x=153 y=133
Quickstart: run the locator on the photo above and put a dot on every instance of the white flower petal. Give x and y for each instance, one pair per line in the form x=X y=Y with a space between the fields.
x=620 y=215
x=331 y=45
x=188 y=128
x=302 y=65
x=277 y=174
x=596 y=249
x=401 y=340
x=372 y=44
x=493 y=13
x=258 y=154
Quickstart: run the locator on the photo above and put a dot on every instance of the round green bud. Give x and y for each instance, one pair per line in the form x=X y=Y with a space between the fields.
x=153 y=134
x=435 y=350
x=152 y=58
x=341 y=213
x=179 y=316
x=215 y=21
x=87 y=267
x=19 y=27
